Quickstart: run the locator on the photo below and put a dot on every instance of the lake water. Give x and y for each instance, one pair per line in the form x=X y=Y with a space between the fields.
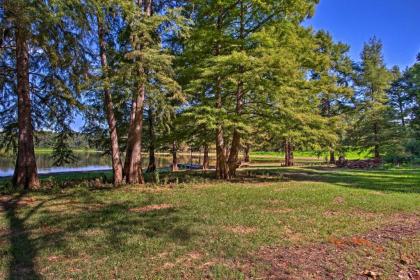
x=91 y=161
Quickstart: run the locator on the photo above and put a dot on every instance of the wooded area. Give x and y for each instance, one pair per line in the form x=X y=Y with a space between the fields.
x=230 y=76
x=209 y=139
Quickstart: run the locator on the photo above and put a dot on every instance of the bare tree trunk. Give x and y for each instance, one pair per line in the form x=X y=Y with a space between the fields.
x=25 y=174
x=174 y=166
x=206 y=159
x=109 y=108
x=152 y=157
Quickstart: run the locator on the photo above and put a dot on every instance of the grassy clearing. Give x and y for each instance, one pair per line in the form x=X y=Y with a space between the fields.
x=40 y=151
x=351 y=155
x=195 y=227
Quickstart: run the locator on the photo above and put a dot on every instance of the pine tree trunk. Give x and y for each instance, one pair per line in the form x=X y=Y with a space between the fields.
x=332 y=157
x=134 y=172
x=376 y=137
x=233 y=163
x=246 y=153
x=291 y=154
x=221 y=164
x=109 y=108
x=174 y=166
x=128 y=147
x=152 y=158
x=206 y=159
x=133 y=168
x=234 y=152
x=25 y=173
x=288 y=153
x=376 y=152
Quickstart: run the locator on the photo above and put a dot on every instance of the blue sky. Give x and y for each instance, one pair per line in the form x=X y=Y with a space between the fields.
x=395 y=22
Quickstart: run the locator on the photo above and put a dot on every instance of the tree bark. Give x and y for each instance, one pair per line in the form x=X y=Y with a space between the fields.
x=376 y=152
x=288 y=153
x=233 y=162
x=109 y=108
x=291 y=154
x=152 y=158
x=246 y=153
x=236 y=139
x=376 y=137
x=332 y=157
x=174 y=166
x=134 y=172
x=128 y=147
x=25 y=173
x=133 y=168
x=221 y=163
x=206 y=159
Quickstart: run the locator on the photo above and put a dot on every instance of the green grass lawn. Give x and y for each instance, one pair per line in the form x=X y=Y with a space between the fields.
x=267 y=222
x=350 y=155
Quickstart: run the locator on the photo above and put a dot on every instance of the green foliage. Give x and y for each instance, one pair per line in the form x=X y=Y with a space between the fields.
x=58 y=63
x=62 y=153
x=248 y=68
x=372 y=125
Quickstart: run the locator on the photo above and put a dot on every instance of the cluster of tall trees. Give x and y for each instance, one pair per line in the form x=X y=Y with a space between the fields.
x=228 y=75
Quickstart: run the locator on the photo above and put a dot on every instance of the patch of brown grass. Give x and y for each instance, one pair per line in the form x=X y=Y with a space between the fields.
x=241 y=229
x=391 y=245
x=151 y=208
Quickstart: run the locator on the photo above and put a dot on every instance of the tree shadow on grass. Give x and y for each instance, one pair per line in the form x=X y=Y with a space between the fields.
x=22 y=248
x=107 y=228
x=403 y=181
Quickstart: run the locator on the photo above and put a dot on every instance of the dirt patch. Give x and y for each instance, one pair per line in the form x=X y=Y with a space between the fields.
x=292 y=235
x=331 y=213
x=241 y=229
x=188 y=260
x=151 y=208
x=54 y=258
x=47 y=230
x=73 y=206
x=339 y=200
x=330 y=260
